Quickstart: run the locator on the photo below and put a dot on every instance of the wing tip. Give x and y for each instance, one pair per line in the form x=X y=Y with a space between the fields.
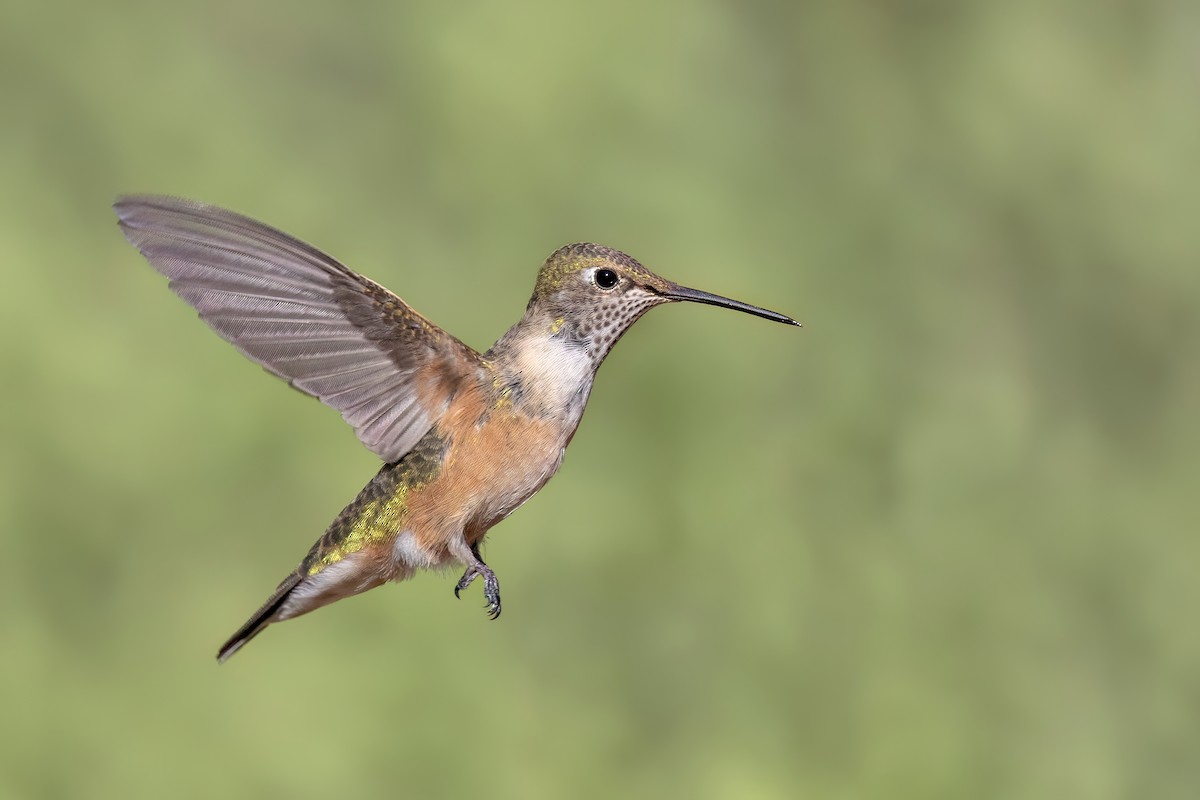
x=128 y=206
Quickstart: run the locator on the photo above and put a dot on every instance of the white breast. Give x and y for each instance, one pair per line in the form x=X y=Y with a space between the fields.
x=556 y=374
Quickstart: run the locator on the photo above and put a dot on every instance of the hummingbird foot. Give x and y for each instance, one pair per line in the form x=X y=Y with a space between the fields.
x=491 y=593
x=491 y=586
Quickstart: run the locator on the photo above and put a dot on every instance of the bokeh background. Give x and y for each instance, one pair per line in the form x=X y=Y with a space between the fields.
x=941 y=542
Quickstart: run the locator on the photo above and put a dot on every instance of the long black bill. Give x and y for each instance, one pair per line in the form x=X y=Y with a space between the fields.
x=677 y=292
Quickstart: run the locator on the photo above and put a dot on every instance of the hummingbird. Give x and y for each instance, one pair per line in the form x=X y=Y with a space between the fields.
x=465 y=437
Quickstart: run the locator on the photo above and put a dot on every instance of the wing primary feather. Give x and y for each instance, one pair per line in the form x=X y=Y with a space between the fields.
x=302 y=315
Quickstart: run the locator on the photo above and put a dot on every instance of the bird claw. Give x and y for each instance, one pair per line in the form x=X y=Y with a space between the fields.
x=491 y=593
x=466 y=580
x=491 y=587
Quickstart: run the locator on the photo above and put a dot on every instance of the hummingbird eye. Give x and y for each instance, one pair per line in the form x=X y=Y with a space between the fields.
x=605 y=278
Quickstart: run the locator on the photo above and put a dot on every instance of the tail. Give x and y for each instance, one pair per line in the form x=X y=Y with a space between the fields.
x=260 y=620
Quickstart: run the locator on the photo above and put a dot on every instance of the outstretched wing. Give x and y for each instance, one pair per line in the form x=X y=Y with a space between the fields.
x=305 y=317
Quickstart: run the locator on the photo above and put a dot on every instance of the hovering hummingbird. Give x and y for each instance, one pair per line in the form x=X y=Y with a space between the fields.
x=465 y=437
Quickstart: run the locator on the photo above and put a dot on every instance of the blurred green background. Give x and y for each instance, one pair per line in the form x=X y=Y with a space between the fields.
x=942 y=542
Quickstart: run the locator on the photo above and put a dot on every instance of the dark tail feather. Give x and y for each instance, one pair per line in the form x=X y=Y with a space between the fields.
x=260 y=620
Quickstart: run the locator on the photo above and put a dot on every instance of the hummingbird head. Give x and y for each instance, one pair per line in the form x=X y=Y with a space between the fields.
x=593 y=294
